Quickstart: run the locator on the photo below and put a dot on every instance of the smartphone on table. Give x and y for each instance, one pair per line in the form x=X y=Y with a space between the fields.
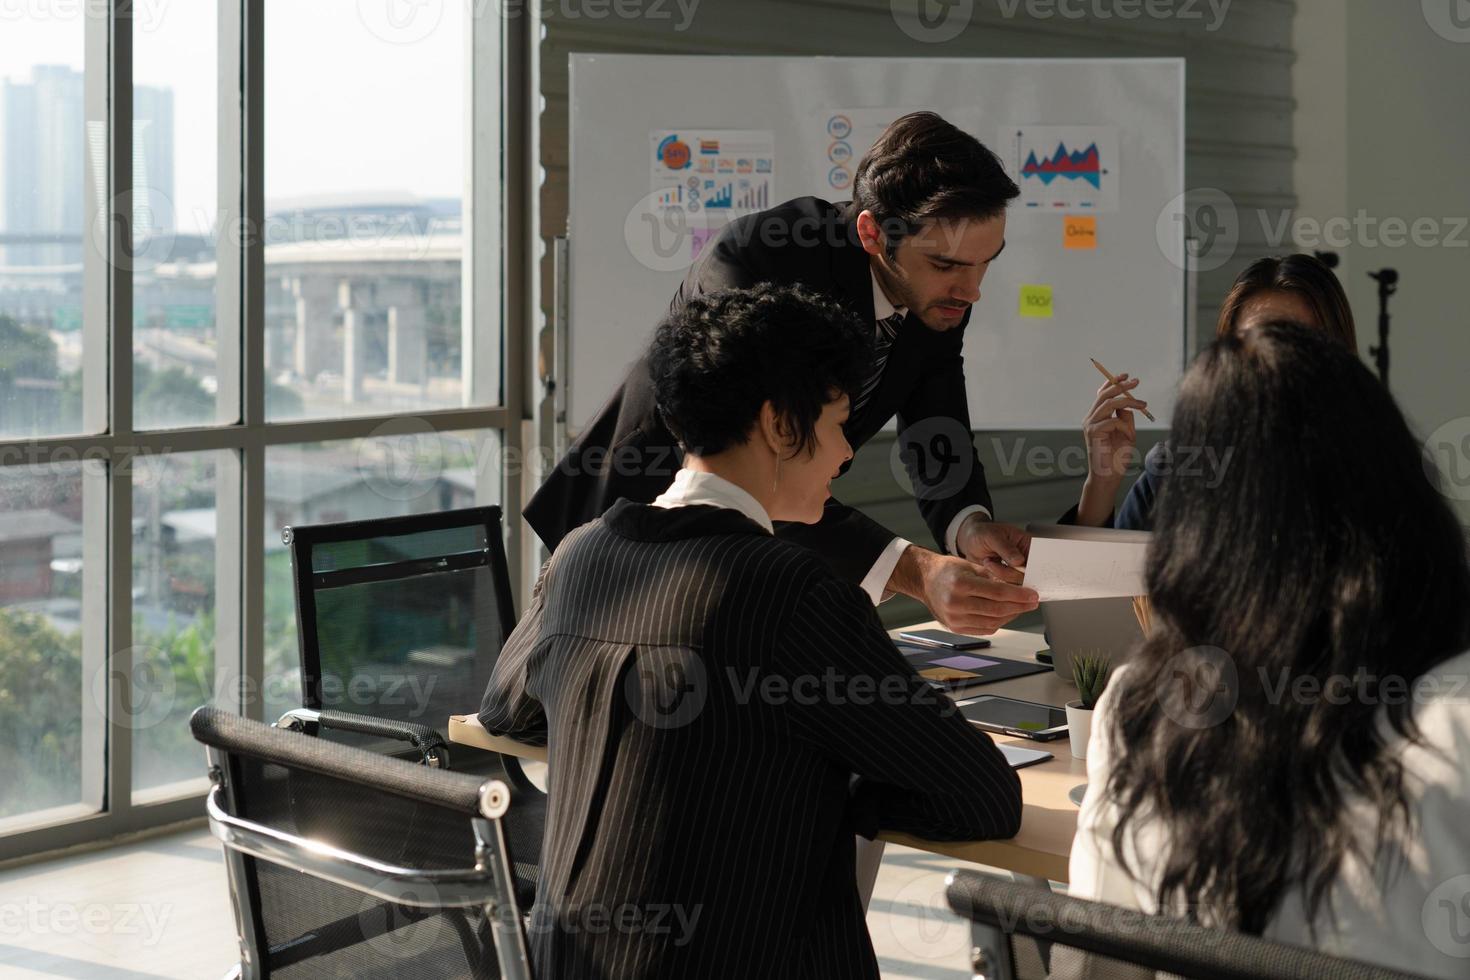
x=944 y=638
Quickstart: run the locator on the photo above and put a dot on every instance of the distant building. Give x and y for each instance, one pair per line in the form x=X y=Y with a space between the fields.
x=27 y=550
x=43 y=133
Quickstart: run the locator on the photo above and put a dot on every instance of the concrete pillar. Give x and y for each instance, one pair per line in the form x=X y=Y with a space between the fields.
x=408 y=339
x=354 y=339
x=408 y=344
x=316 y=305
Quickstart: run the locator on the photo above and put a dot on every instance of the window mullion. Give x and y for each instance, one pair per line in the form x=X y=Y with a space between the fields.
x=119 y=243
x=252 y=322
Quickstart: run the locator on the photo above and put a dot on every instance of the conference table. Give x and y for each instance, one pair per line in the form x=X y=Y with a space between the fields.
x=1048 y=818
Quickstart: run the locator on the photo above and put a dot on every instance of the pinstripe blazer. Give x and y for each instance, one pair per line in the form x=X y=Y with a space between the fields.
x=723 y=714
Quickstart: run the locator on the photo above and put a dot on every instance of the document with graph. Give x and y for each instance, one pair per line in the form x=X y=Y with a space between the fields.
x=1064 y=569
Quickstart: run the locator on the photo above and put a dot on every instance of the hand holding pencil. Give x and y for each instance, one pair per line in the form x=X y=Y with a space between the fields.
x=1110 y=433
x=1118 y=381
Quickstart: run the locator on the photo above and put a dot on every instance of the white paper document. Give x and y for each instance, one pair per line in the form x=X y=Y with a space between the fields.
x=1061 y=569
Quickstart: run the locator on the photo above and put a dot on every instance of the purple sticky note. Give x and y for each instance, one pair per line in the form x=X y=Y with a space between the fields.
x=963 y=661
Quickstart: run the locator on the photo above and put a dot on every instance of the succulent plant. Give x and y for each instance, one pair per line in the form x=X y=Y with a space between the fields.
x=1090 y=674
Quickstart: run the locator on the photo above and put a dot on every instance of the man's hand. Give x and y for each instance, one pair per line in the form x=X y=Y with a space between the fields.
x=999 y=549
x=958 y=592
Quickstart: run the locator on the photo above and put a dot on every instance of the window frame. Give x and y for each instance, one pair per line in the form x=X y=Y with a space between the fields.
x=497 y=293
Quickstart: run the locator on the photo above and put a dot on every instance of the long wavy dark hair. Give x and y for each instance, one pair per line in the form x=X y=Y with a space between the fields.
x=1320 y=549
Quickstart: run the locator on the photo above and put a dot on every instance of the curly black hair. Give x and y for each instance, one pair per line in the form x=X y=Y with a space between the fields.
x=924 y=168
x=722 y=355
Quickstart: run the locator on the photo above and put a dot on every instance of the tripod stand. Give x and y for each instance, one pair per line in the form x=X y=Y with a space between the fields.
x=1388 y=284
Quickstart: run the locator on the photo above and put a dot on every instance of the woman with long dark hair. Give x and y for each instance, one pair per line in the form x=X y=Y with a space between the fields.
x=1288 y=752
x=1295 y=288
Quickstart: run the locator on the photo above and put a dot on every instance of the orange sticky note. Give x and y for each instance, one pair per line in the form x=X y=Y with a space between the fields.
x=947 y=674
x=1079 y=231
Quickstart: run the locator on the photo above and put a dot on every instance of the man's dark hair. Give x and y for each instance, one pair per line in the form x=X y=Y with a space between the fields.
x=722 y=355
x=924 y=169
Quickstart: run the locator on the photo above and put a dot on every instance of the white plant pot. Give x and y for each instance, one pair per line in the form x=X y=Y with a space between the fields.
x=1079 y=728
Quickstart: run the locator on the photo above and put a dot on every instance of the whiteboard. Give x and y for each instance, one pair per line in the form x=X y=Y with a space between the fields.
x=1121 y=301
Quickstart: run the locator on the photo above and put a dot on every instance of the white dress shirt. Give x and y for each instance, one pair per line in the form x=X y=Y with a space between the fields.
x=1413 y=916
x=873 y=583
x=698 y=487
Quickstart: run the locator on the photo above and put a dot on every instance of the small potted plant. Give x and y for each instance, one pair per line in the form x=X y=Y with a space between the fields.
x=1090 y=674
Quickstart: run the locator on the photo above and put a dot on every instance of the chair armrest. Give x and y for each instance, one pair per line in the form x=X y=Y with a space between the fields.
x=417 y=887
x=429 y=743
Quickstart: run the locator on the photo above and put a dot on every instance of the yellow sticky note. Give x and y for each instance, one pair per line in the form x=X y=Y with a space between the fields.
x=1036 y=301
x=1079 y=232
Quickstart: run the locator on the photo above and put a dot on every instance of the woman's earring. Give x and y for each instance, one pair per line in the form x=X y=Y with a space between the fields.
x=778 y=473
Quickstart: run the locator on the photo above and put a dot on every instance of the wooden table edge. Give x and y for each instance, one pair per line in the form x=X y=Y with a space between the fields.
x=1005 y=854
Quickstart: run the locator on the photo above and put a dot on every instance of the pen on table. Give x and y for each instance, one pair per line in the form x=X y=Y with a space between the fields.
x=1114 y=380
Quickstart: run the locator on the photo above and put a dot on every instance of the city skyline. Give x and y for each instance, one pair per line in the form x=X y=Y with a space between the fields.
x=33 y=203
x=371 y=85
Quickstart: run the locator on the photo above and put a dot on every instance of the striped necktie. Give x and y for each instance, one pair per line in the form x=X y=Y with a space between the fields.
x=882 y=344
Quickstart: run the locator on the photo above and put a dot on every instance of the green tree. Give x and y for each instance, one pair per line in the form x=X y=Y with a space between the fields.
x=24 y=353
x=170 y=396
x=41 y=688
x=179 y=663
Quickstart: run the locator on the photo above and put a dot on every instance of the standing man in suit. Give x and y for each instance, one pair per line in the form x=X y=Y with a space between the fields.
x=907 y=255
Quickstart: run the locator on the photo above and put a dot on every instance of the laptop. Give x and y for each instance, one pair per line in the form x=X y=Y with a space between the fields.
x=1089 y=627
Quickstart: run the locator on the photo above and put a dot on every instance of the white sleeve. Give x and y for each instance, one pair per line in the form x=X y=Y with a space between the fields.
x=875 y=583
x=952 y=533
x=1093 y=869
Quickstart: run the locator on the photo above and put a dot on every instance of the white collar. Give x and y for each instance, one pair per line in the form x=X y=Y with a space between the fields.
x=698 y=487
x=882 y=307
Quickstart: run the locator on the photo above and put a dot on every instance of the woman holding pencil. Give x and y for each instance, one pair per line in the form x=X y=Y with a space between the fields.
x=1296 y=288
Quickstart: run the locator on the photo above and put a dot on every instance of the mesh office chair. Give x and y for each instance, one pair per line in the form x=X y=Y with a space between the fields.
x=344 y=863
x=1024 y=932
x=400 y=620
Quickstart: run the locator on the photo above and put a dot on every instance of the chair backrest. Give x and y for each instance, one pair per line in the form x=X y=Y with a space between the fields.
x=1022 y=931
x=345 y=863
x=401 y=617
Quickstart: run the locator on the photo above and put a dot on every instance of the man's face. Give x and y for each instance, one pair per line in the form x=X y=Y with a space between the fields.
x=935 y=272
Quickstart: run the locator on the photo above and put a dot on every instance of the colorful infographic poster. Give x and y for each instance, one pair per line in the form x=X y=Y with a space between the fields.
x=844 y=136
x=729 y=171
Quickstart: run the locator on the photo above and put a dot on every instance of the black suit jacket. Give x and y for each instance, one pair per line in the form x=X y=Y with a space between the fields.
x=722 y=714
x=627 y=451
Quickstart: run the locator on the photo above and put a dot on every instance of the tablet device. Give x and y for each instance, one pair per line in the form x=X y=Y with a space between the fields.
x=1008 y=716
x=951 y=669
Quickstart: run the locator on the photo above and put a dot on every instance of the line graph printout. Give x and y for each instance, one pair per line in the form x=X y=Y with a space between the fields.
x=1061 y=569
x=1063 y=168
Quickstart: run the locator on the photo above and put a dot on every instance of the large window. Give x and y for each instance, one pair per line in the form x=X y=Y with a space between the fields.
x=249 y=278
x=44 y=137
x=364 y=209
